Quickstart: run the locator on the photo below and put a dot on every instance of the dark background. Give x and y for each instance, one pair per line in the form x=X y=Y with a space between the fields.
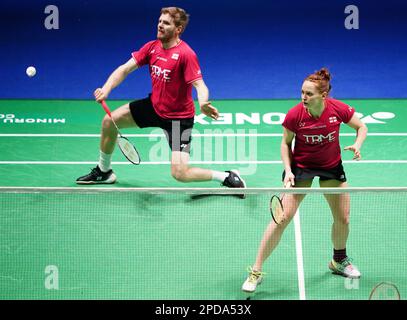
x=247 y=49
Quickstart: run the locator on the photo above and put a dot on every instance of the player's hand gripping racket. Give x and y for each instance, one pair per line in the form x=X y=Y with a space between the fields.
x=277 y=208
x=126 y=147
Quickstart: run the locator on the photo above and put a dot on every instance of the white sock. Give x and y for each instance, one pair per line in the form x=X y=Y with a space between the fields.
x=219 y=175
x=105 y=161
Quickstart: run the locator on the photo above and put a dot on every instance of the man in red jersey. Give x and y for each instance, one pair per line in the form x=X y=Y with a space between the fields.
x=174 y=70
x=315 y=125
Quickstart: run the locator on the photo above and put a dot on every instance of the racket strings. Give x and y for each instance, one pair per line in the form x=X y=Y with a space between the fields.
x=385 y=291
x=125 y=146
x=277 y=209
x=129 y=150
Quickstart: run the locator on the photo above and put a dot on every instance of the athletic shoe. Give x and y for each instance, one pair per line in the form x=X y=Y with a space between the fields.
x=233 y=180
x=253 y=280
x=96 y=176
x=344 y=268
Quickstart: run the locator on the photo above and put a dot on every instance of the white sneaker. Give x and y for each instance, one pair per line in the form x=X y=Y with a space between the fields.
x=344 y=268
x=255 y=278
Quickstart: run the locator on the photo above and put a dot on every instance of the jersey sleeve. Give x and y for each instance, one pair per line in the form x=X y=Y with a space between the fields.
x=344 y=111
x=290 y=121
x=141 y=57
x=192 y=70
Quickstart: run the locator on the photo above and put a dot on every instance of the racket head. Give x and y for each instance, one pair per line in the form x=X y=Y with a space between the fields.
x=276 y=209
x=385 y=291
x=128 y=150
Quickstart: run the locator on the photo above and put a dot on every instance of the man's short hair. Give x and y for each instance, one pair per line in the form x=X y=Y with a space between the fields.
x=181 y=18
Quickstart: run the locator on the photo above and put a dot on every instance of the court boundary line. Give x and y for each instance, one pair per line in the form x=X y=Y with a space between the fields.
x=299 y=255
x=260 y=162
x=159 y=135
x=172 y=190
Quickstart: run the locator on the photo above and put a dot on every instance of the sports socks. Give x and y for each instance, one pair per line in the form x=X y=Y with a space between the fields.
x=219 y=175
x=339 y=255
x=105 y=161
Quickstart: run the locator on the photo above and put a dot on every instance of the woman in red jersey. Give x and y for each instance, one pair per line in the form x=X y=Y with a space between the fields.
x=315 y=124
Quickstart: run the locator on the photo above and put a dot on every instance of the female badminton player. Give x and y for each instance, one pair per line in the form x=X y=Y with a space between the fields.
x=315 y=125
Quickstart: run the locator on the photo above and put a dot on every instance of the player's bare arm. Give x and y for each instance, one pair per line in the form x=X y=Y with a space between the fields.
x=115 y=79
x=361 y=132
x=286 y=155
x=203 y=95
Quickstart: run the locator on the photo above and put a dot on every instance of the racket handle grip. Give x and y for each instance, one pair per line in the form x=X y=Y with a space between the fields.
x=104 y=105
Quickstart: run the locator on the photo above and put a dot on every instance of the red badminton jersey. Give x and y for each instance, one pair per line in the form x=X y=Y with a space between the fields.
x=317 y=140
x=172 y=72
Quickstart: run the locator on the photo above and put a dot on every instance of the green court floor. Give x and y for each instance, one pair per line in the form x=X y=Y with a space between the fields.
x=149 y=246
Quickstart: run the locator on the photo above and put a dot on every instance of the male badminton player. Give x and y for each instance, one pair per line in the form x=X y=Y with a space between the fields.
x=174 y=70
x=315 y=124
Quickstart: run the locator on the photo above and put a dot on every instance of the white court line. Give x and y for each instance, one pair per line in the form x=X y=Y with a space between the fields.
x=154 y=135
x=191 y=162
x=300 y=261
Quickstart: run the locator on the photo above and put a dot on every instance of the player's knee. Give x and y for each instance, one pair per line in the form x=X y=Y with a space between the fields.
x=343 y=219
x=179 y=174
x=286 y=220
x=107 y=123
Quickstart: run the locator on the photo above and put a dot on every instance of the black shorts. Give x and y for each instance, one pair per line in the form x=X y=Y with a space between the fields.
x=177 y=131
x=301 y=174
